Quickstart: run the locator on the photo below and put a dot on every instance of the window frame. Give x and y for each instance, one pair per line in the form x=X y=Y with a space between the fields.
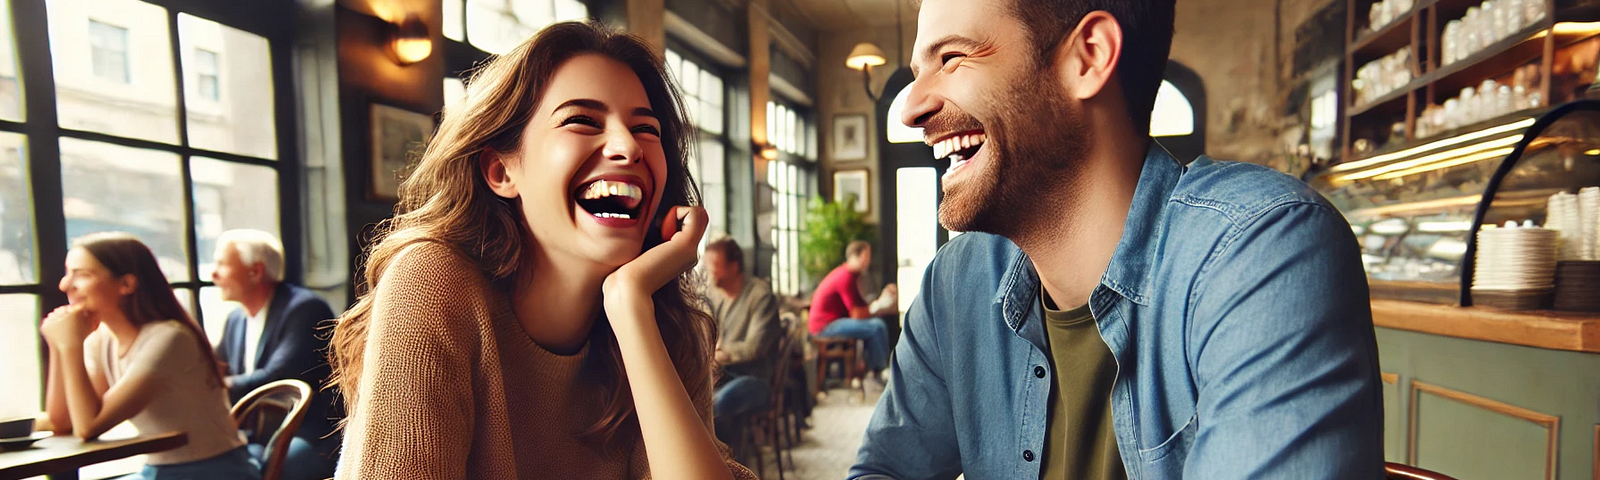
x=42 y=133
x=792 y=130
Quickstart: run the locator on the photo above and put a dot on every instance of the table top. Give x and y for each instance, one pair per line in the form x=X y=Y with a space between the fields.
x=65 y=453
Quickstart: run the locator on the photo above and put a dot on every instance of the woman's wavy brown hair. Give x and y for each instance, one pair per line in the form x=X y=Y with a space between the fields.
x=152 y=299
x=446 y=200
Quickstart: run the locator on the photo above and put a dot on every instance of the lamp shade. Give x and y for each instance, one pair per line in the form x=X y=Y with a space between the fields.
x=409 y=41
x=864 y=56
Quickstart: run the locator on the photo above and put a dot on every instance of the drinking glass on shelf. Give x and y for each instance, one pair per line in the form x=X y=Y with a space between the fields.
x=1503 y=102
x=1474 y=30
x=1519 y=98
x=1516 y=15
x=1533 y=10
x=1452 y=113
x=1469 y=106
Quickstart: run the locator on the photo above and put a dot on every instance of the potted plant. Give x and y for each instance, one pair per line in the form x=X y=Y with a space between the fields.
x=827 y=229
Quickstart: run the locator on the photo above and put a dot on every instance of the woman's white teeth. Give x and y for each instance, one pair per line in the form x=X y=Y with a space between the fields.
x=607 y=188
x=613 y=215
x=949 y=146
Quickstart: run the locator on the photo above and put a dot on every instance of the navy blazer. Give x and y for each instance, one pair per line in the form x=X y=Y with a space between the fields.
x=291 y=346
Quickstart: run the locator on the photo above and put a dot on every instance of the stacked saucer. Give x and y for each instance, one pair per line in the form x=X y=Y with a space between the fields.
x=1577 y=286
x=1515 y=267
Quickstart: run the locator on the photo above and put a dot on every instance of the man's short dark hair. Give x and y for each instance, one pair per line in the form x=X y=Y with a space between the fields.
x=729 y=249
x=1147 y=27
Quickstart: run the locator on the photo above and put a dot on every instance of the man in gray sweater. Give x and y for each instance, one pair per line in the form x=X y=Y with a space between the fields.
x=748 y=333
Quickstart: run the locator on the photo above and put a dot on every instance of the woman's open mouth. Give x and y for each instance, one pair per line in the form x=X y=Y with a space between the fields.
x=615 y=202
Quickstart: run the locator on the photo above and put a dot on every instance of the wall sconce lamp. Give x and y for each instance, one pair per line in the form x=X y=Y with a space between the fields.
x=769 y=152
x=863 y=58
x=409 y=42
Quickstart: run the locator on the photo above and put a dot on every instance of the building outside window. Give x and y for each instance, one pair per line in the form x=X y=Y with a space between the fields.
x=109 y=51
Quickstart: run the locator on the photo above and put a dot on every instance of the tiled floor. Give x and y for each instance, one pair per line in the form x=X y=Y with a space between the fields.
x=827 y=450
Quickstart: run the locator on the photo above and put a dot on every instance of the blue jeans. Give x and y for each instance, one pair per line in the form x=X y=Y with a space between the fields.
x=871 y=332
x=738 y=397
x=304 y=461
x=234 y=464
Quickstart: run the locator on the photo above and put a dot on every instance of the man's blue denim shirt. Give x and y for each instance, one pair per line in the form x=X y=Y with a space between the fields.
x=1235 y=305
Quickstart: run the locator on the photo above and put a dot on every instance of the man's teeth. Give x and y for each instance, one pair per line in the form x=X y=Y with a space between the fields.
x=945 y=148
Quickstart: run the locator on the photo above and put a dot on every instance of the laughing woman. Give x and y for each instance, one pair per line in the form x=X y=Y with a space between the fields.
x=524 y=313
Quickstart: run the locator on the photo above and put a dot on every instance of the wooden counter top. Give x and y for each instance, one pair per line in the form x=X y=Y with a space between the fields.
x=1579 y=332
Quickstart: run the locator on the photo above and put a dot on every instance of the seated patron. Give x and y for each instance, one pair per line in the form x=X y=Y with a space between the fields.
x=1113 y=312
x=838 y=310
x=749 y=330
x=123 y=349
x=273 y=336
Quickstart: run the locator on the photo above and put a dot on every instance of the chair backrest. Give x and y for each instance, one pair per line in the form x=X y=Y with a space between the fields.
x=276 y=407
x=780 y=370
x=1397 y=471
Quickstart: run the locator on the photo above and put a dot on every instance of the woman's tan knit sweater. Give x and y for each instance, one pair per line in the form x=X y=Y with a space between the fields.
x=452 y=388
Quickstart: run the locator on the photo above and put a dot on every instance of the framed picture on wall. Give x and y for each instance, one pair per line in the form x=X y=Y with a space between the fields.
x=850 y=137
x=397 y=135
x=852 y=182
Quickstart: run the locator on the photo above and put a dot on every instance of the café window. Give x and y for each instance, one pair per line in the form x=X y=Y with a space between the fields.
x=121 y=161
x=704 y=102
x=790 y=179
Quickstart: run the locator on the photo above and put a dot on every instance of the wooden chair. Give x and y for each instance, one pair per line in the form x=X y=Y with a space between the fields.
x=1396 y=471
x=771 y=424
x=272 y=414
x=844 y=350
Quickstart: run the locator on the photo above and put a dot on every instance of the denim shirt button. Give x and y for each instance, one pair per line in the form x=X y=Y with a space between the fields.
x=1027 y=455
x=1038 y=371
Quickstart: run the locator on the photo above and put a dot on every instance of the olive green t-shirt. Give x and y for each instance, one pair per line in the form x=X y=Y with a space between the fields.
x=1079 y=441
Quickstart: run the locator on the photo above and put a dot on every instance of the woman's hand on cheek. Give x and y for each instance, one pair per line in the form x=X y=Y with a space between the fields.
x=638 y=279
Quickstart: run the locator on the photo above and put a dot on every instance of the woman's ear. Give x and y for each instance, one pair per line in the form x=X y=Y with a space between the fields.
x=129 y=283
x=498 y=173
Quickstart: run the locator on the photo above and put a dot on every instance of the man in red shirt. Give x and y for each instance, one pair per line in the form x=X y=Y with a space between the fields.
x=837 y=309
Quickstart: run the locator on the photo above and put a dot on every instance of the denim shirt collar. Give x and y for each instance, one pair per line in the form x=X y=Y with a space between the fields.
x=1129 y=272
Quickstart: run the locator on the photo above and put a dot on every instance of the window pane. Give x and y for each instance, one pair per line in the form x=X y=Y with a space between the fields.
x=672 y=63
x=454 y=92
x=230 y=195
x=497 y=26
x=571 y=10
x=454 y=20
x=10 y=86
x=771 y=124
x=17 y=265
x=186 y=298
x=111 y=187
x=215 y=311
x=229 y=88
x=19 y=338
x=794 y=132
x=113 y=68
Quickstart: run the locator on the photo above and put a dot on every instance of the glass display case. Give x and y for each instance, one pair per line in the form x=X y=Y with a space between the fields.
x=1416 y=212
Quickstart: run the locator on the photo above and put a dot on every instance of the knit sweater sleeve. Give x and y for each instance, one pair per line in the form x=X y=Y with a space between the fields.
x=414 y=416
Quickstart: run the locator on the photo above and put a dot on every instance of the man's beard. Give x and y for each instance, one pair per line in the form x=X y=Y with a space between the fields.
x=1033 y=149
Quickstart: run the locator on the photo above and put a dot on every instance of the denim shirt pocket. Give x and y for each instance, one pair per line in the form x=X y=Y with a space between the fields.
x=1180 y=441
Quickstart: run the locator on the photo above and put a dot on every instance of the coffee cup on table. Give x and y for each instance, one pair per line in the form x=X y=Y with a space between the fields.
x=16 y=427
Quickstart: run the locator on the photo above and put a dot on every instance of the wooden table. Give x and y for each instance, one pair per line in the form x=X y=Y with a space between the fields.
x=61 y=454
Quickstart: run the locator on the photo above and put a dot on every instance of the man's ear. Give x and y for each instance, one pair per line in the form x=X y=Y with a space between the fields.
x=1087 y=57
x=498 y=173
